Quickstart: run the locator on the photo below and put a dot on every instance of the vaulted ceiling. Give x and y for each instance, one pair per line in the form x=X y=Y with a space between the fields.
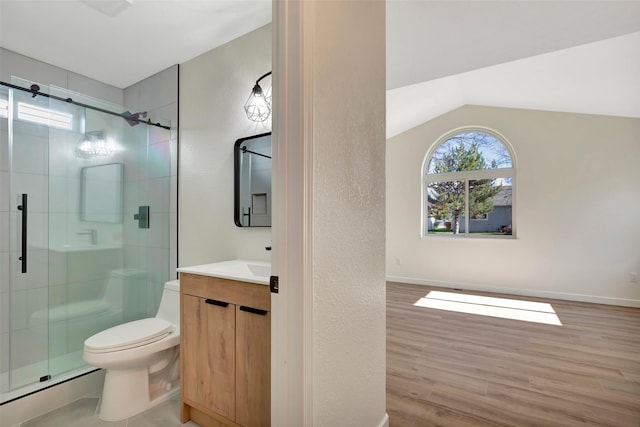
x=568 y=56
x=430 y=39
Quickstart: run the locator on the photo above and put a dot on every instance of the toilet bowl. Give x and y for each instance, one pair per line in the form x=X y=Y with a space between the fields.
x=140 y=358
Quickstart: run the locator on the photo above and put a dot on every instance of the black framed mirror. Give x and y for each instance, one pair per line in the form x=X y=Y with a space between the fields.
x=252 y=181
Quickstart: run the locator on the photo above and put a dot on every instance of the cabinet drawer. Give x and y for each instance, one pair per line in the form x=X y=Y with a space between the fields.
x=240 y=293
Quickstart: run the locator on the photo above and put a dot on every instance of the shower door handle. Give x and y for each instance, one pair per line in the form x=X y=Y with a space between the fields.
x=23 y=255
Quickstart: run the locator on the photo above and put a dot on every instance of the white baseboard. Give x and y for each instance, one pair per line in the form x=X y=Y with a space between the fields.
x=385 y=421
x=518 y=291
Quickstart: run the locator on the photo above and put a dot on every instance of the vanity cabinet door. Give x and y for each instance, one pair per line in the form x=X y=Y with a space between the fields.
x=209 y=354
x=253 y=367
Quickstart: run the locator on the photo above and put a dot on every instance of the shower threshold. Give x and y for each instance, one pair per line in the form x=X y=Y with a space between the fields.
x=71 y=365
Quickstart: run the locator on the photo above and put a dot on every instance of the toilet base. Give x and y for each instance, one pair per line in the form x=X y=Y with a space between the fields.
x=126 y=393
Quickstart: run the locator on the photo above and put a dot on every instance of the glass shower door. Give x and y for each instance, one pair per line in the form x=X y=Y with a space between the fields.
x=28 y=155
x=96 y=241
x=106 y=205
x=85 y=232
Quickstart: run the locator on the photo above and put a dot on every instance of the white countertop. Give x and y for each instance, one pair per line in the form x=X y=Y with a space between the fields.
x=238 y=269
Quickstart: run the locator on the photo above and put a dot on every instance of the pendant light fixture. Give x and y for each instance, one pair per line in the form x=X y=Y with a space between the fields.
x=258 y=106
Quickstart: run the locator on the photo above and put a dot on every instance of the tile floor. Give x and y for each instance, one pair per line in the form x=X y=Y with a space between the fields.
x=83 y=413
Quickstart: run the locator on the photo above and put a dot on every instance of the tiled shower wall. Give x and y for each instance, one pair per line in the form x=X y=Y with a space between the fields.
x=158 y=95
x=30 y=294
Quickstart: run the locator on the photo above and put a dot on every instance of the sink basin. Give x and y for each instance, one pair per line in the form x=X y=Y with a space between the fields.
x=260 y=270
x=238 y=269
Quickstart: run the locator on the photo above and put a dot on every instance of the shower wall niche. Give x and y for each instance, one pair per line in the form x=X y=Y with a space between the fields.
x=88 y=264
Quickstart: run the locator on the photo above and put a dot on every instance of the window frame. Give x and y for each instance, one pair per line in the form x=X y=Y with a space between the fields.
x=466 y=176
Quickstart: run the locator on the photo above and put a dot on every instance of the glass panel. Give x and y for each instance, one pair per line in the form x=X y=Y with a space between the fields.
x=468 y=151
x=90 y=265
x=490 y=206
x=101 y=194
x=5 y=196
x=136 y=265
x=445 y=207
x=108 y=266
x=28 y=151
x=82 y=253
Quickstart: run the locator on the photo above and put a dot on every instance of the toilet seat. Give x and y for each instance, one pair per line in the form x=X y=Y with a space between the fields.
x=129 y=335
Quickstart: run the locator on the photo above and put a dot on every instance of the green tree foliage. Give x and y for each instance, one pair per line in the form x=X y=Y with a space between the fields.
x=446 y=199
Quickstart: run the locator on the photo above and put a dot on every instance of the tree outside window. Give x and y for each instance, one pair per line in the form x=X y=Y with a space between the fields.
x=468 y=184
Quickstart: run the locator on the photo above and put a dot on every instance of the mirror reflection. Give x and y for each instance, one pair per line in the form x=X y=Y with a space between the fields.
x=101 y=193
x=252 y=157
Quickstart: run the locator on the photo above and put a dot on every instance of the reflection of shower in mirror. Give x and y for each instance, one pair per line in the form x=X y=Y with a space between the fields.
x=252 y=182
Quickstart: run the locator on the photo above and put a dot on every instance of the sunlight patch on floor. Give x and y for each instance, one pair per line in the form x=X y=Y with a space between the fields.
x=528 y=311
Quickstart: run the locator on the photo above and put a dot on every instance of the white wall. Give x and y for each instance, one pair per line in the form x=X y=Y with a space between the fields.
x=14 y=64
x=328 y=325
x=213 y=89
x=576 y=209
x=348 y=196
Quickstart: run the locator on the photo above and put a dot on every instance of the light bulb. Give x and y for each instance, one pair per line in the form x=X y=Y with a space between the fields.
x=257 y=107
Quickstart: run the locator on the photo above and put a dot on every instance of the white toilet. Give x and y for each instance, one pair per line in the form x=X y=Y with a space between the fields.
x=141 y=359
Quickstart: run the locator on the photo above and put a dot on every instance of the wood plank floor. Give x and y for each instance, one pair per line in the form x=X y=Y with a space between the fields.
x=455 y=369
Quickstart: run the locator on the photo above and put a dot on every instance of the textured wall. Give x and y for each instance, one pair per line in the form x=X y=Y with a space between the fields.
x=213 y=90
x=576 y=208
x=348 y=213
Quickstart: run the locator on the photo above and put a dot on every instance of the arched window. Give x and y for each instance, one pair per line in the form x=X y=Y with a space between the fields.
x=468 y=185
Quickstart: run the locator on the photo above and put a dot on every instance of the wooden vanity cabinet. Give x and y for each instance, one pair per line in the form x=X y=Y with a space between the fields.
x=225 y=352
x=209 y=353
x=253 y=377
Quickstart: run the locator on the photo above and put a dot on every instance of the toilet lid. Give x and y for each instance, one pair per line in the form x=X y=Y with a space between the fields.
x=129 y=335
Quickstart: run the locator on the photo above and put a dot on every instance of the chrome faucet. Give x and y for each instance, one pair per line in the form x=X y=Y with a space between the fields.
x=90 y=232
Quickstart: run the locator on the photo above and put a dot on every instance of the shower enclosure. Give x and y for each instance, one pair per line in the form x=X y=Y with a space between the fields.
x=84 y=222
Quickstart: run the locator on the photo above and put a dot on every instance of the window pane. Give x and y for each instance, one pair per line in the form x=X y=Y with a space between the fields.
x=469 y=151
x=445 y=207
x=490 y=206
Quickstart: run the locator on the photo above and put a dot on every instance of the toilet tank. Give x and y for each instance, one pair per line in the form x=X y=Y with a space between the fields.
x=121 y=283
x=169 y=309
